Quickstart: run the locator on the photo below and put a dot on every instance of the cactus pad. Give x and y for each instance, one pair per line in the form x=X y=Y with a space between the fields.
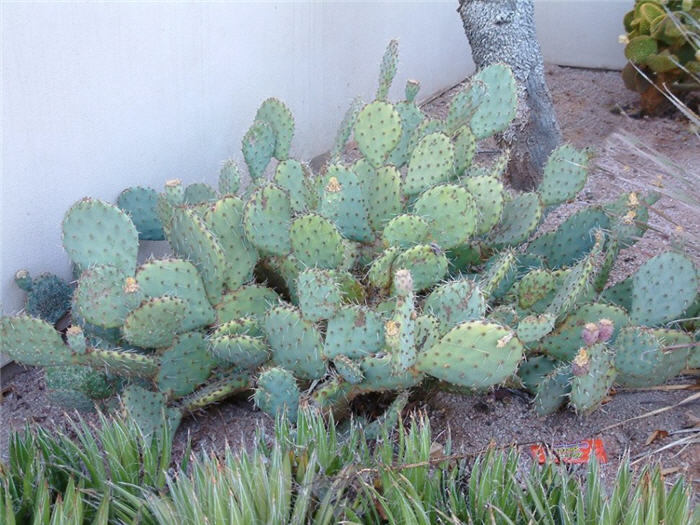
x=455 y=302
x=315 y=241
x=520 y=218
x=251 y=300
x=432 y=162
x=451 y=213
x=348 y=369
x=354 y=331
x=474 y=354
x=319 y=293
x=291 y=176
x=277 y=393
x=593 y=376
x=427 y=264
x=273 y=112
x=229 y=178
x=488 y=198
x=155 y=323
x=295 y=342
x=185 y=365
x=33 y=342
x=140 y=205
x=377 y=131
x=343 y=202
x=95 y=232
x=405 y=231
x=258 y=147
x=564 y=175
x=497 y=108
x=266 y=219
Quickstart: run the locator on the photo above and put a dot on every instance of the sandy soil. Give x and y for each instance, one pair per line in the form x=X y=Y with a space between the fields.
x=588 y=104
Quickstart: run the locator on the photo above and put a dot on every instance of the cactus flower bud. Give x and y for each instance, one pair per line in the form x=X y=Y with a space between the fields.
x=605 y=330
x=581 y=363
x=333 y=185
x=589 y=334
x=623 y=39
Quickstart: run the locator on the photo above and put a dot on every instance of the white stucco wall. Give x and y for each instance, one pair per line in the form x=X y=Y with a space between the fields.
x=97 y=97
x=582 y=32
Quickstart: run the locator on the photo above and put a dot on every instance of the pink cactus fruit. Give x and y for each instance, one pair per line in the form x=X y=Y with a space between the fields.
x=605 y=330
x=590 y=333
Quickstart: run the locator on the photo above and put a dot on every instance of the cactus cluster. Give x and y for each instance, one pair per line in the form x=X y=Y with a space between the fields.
x=412 y=262
x=662 y=45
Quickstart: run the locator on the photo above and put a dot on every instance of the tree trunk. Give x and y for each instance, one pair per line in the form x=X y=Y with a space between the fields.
x=504 y=31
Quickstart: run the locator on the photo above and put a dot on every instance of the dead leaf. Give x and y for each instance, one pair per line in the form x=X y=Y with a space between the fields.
x=670 y=470
x=656 y=434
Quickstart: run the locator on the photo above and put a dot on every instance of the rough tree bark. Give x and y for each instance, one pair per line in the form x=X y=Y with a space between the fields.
x=504 y=31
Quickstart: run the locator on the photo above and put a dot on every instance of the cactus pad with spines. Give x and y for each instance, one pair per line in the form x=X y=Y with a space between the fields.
x=377 y=131
x=277 y=392
x=451 y=213
x=427 y=264
x=291 y=176
x=380 y=275
x=553 y=391
x=185 y=365
x=497 y=108
x=465 y=149
x=342 y=201
x=521 y=216
x=565 y=340
x=273 y=112
x=354 y=331
x=199 y=193
x=387 y=69
x=140 y=205
x=295 y=342
x=488 y=198
x=225 y=220
x=474 y=354
x=315 y=241
x=266 y=219
x=564 y=175
x=533 y=371
x=33 y=342
x=258 y=147
x=250 y=300
x=405 y=231
x=348 y=369
x=229 y=178
x=455 y=302
x=319 y=293
x=105 y=296
x=663 y=288
x=432 y=162
x=534 y=327
x=177 y=278
x=155 y=322
x=192 y=240
x=95 y=232
x=383 y=193
x=593 y=374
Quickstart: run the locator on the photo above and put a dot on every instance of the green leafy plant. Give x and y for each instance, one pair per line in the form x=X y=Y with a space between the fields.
x=313 y=472
x=663 y=49
x=412 y=265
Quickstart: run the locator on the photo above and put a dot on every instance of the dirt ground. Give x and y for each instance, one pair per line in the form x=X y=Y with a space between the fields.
x=592 y=107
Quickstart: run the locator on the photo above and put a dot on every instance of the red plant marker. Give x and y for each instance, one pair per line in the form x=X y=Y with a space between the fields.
x=575 y=453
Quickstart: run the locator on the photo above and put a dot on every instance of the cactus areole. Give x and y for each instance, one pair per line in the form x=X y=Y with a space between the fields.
x=414 y=261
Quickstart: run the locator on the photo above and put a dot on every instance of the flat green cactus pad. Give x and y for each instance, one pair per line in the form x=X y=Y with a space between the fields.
x=565 y=340
x=192 y=240
x=465 y=149
x=455 y=302
x=258 y=147
x=33 y=342
x=405 y=231
x=474 y=354
x=497 y=109
x=553 y=391
x=572 y=239
x=488 y=198
x=380 y=275
x=432 y=162
x=451 y=213
x=266 y=219
x=427 y=264
x=273 y=112
x=295 y=342
x=387 y=69
x=564 y=175
x=277 y=393
x=140 y=205
x=104 y=297
x=291 y=176
x=377 y=131
x=343 y=202
x=240 y=350
x=348 y=369
x=319 y=293
x=315 y=241
x=380 y=375
x=411 y=118
x=664 y=287
x=225 y=220
x=96 y=232
x=354 y=331
x=519 y=220
x=251 y=300
x=533 y=371
x=229 y=178
x=645 y=357
x=149 y=410
x=383 y=195
x=199 y=193
x=185 y=365
x=178 y=278
x=534 y=327
x=155 y=323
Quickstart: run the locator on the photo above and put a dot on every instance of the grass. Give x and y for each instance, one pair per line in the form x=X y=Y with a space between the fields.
x=312 y=473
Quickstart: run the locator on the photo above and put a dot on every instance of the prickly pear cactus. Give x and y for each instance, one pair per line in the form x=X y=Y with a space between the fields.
x=413 y=262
